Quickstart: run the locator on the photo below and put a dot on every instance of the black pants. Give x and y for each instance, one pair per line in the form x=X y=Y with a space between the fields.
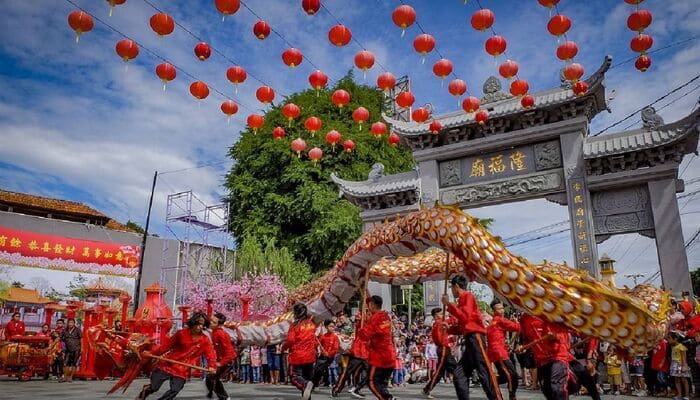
x=378 y=382
x=57 y=366
x=356 y=368
x=583 y=378
x=508 y=374
x=301 y=374
x=321 y=369
x=554 y=380
x=474 y=358
x=158 y=377
x=214 y=383
x=446 y=362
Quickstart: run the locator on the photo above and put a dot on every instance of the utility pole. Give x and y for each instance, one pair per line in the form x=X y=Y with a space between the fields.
x=137 y=288
x=634 y=277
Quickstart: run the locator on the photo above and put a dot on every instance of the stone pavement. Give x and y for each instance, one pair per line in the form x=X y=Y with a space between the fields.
x=83 y=390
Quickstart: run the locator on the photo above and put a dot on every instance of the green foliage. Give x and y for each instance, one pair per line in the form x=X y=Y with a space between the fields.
x=254 y=260
x=4 y=288
x=77 y=287
x=134 y=226
x=275 y=195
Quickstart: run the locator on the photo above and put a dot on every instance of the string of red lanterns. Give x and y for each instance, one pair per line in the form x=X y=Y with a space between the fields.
x=638 y=21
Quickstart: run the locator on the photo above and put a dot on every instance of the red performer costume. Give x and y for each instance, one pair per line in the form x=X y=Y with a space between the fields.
x=446 y=361
x=15 y=327
x=225 y=354
x=328 y=345
x=381 y=360
x=301 y=342
x=187 y=345
x=470 y=324
x=498 y=350
x=357 y=367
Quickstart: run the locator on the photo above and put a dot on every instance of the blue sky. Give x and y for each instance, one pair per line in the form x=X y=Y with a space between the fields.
x=76 y=124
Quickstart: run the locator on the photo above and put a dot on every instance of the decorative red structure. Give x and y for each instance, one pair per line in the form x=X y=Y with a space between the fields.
x=245 y=305
x=210 y=307
x=124 y=298
x=49 y=310
x=146 y=316
x=110 y=313
x=87 y=355
x=184 y=313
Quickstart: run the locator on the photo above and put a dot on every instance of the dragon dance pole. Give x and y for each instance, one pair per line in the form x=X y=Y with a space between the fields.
x=364 y=298
x=447 y=277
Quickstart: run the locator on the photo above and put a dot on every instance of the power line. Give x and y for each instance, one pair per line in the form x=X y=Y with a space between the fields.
x=666 y=105
x=678 y=43
x=539 y=237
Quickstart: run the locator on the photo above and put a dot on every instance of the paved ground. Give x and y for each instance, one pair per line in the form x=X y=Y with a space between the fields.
x=83 y=390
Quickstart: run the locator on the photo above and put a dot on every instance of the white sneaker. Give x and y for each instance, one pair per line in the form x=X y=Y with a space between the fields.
x=356 y=395
x=306 y=395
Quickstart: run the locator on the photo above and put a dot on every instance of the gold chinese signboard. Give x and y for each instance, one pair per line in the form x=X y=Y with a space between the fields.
x=487 y=167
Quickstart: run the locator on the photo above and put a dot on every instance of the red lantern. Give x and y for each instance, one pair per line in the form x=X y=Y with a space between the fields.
x=420 y=115
x=528 y=101
x=348 y=146
x=495 y=45
x=227 y=7
x=639 y=20
x=311 y=7
x=386 y=81
x=340 y=98
x=643 y=63
x=548 y=3
x=405 y=99
x=567 y=50
x=278 y=133
x=166 y=72
x=424 y=44
x=573 y=72
x=114 y=3
x=292 y=57
x=519 y=87
x=199 y=90
x=127 y=49
x=256 y=122
x=313 y=125
x=580 y=88
x=265 y=94
x=471 y=104
x=229 y=107
x=442 y=68
x=236 y=74
x=80 y=22
x=481 y=117
x=339 y=35
x=457 y=87
x=162 y=24
x=291 y=111
x=404 y=16
x=318 y=80
x=378 y=129
x=360 y=115
x=559 y=25
x=508 y=69
x=202 y=51
x=633 y=2
x=333 y=137
x=394 y=139
x=482 y=19
x=641 y=43
x=315 y=154
x=364 y=60
x=261 y=30
x=298 y=145
x=435 y=127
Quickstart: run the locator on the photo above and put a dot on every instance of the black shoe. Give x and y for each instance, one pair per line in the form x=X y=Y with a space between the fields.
x=334 y=394
x=210 y=395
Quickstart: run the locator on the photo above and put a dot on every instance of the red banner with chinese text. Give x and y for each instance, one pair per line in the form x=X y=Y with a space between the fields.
x=40 y=250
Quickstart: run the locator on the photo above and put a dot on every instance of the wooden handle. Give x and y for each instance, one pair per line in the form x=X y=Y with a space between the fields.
x=364 y=298
x=533 y=343
x=169 y=360
x=447 y=277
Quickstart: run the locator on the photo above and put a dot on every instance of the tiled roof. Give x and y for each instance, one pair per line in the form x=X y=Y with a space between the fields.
x=504 y=107
x=58 y=206
x=643 y=138
x=99 y=287
x=396 y=183
x=26 y=296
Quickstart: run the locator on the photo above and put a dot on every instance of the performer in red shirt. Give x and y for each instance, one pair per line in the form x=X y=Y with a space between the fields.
x=498 y=350
x=377 y=332
x=225 y=354
x=301 y=342
x=552 y=354
x=357 y=367
x=446 y=361
x=15 y=327
x=471 y=325
x=187 y=345
x=328 y=345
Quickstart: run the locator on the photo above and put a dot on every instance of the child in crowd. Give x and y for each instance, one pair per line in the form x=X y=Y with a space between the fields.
x=244 y=374
x=637 y=374
x=56 y=350
x=255 y=363
x=613 y=362
x=679 y=364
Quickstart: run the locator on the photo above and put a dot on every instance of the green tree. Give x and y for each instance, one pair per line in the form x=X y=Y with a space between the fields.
x=134 y=227
x=77 y=287
x=256 y=257
x=274 y=194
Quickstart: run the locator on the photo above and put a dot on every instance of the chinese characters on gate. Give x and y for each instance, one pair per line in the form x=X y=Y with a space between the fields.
x=498 y=164
x=580 y=232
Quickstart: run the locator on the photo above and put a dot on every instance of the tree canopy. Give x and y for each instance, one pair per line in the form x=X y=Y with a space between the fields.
x=276 y=195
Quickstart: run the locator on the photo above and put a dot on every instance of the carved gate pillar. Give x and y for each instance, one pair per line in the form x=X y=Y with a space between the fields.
x=579 y=204
x=429 y=184
x=670 y=249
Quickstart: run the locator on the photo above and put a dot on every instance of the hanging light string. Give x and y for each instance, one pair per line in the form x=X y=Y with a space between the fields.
x=353 y=38
x=156 y=55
